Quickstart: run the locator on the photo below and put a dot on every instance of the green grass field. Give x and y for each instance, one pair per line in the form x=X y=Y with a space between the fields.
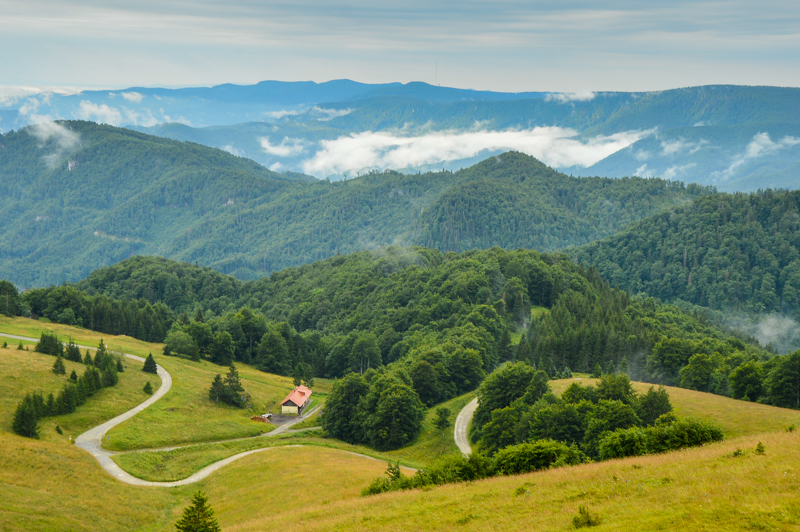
x=49 y=484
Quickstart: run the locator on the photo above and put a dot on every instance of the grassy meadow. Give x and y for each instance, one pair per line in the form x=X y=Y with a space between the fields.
x=698 y=489
x=48 y=484
x=736 y=418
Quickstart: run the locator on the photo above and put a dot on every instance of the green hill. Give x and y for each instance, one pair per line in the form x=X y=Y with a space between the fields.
x=80 y=196
x=729 y=252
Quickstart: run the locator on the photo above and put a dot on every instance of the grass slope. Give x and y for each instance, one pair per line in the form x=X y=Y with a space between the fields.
x=697 y=489
x=736 y=418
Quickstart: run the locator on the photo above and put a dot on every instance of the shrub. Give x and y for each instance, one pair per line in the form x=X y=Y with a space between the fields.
x=585 y=518
x=535 y=456
x=622 y=443
x=148 y=388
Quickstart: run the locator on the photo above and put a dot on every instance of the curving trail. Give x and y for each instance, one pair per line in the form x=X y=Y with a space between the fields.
x=92 y=440
x=460 y=428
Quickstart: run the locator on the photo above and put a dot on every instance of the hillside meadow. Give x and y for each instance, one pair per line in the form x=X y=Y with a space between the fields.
x=48 y=484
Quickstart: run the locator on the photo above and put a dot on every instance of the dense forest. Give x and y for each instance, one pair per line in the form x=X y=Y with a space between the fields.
x=729 y=252
x=436 y=323
x=81 y=196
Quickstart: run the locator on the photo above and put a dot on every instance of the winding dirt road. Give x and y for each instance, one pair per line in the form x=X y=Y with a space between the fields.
x=92 y=440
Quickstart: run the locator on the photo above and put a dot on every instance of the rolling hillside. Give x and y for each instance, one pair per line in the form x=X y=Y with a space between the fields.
x=729 y=252
x=79 y=196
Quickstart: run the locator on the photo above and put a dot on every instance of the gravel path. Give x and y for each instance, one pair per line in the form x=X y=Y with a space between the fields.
x=91 y=440
x=460 y=429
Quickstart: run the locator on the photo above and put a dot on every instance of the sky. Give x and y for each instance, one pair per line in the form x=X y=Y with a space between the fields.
x=506 y=45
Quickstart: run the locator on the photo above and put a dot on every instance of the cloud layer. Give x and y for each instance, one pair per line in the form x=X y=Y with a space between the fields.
x=554 y=146
x=760 y=146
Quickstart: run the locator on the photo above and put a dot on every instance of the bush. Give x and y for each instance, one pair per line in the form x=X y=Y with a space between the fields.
x=622 y=443
x=636 y=441
x=535 y=456
x=584 y=518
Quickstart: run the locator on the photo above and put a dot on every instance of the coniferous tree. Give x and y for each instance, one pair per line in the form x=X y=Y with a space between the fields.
x=504 y=351
x=19 y=347
x=72 y=353
x=297 y=376
x=73 y=376
x=58 y=367
x=87 y=360
x=217 y=390
x=199 y=316
x=524 y=351
x=148 y=388
x=120 y=367
x=150 y=365
x=198 y=517
x=26 y=419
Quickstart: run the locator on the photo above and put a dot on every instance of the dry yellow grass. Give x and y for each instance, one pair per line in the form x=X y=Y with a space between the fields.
x=697 y=489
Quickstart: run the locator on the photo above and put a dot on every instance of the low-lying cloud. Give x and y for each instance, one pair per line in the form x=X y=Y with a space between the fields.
x=133 y=96
x=760 y=146
x=317 y=113
x=63 y=140
x=672 y=147
x=554 y=146
x=777 y=329
x=566 y=97
x=101 y=113
x=286 y=148
x=115 y=116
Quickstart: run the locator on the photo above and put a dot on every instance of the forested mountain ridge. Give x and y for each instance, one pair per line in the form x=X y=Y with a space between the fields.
x=438 y=321
x=730 y=252
x=78 y=195
x=81 y=196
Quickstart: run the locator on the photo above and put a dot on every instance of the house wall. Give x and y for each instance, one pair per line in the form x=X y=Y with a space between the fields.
x=287 y=409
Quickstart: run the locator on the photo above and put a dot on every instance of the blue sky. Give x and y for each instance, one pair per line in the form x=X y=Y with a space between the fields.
x=505 y=46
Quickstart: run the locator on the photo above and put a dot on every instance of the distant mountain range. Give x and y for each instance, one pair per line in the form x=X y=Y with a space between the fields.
x=732 y=137
x=78 y=196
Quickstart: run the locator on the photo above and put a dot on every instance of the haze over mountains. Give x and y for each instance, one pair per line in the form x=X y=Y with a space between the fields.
x=732 y=137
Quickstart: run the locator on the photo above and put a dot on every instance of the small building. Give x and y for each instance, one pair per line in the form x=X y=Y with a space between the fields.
x=296 y=401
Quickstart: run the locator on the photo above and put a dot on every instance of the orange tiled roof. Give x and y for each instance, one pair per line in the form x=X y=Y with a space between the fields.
x=298 y=396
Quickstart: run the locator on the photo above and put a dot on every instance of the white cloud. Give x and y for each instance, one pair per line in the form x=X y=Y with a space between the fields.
x=566 y=97
x=230 y=148
x=554 y=146
x=643 y=171
x=100 y=113
x=133 y=96
x=286 y=148
x=328 y=114
x=63 y=139
x=642 y=155
x=671 y=147
x=760 y=146
x=277 y=115
x=674 y=171
x=275 y=167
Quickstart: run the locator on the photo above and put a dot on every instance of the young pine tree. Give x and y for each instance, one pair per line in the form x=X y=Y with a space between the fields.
x=148 y=388
x=150 y=364
x=26 y=419
x=120 y=367
x=198 y=516
x=58 y=367
x=87 y=360
x=217 y=390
